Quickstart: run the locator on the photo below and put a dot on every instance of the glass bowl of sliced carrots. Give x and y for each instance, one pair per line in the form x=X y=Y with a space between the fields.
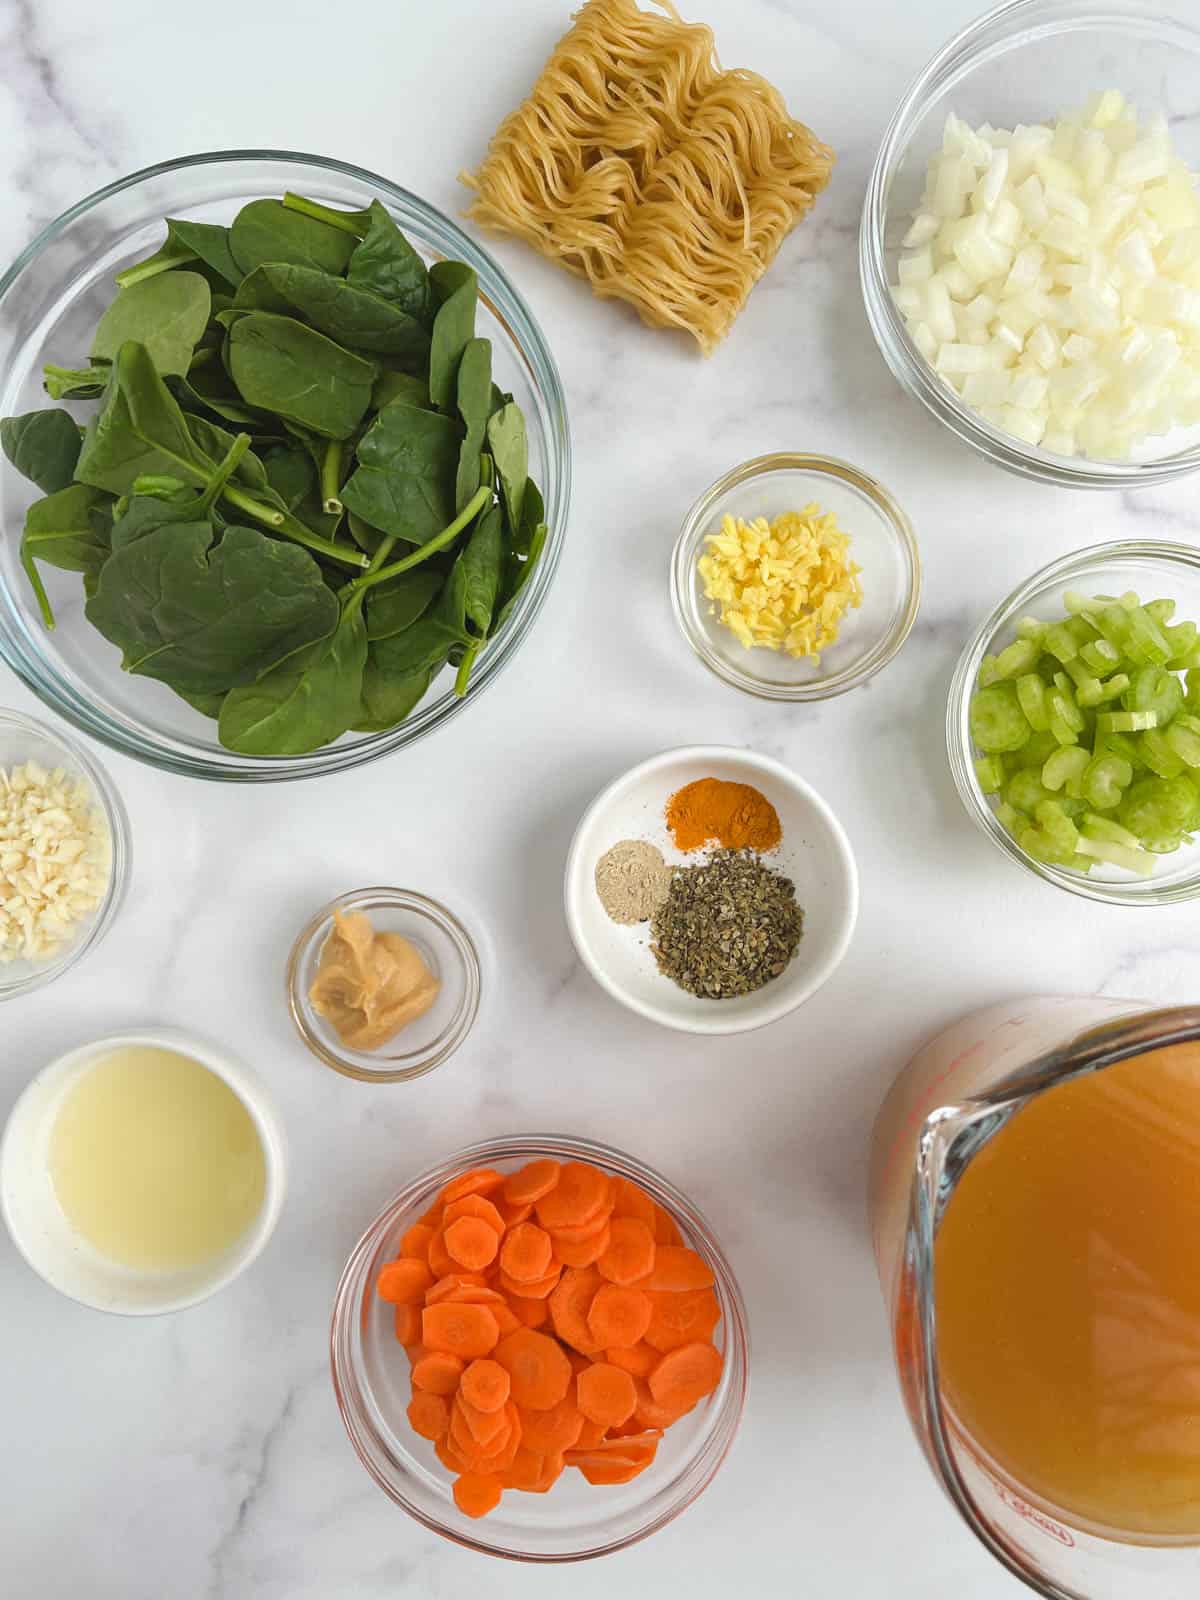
x=539 y=1349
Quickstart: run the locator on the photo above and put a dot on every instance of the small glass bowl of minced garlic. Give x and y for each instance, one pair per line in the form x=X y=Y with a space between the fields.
x=869 y=607
x=383 y=984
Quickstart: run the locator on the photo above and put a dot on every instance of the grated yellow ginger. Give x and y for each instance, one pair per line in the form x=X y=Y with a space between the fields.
x=782 y=585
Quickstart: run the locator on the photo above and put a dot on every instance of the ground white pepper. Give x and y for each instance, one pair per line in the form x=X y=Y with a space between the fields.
x=632 y=880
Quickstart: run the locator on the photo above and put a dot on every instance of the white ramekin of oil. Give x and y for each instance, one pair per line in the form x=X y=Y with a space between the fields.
x=143 y=1172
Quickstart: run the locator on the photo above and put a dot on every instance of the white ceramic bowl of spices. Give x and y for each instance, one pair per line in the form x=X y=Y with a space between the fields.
x=710 y=889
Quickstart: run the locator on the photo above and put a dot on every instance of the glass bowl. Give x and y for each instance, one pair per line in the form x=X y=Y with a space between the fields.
x=449 y=953
x=25 y=739
x=881 y=541
x=50 y=300
x=575 y=1521
x=1027 y=61
x=1153 y=569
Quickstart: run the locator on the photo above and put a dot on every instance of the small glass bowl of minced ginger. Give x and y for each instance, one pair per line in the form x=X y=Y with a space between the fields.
x=882 y=583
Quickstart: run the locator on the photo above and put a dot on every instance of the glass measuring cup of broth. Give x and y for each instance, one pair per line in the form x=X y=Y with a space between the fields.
x=1035 y=1211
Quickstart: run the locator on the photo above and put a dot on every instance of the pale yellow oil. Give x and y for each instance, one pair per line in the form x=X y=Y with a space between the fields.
x=155 y=1161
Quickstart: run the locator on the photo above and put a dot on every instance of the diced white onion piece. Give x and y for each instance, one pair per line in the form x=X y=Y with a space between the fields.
x=986 y=388
x=1026 y=269
x=1076 y=348
x=1134 y=255
x=1026 y=425
x=961 y=358
x=1043 y=346
x=980 y=311
x=1102 y=110
x=959 y=285
x=994 y=179
x=917 y=267
x=951 y=184
x=1145 y=162
x=908 y=298
x=1009 y=336
x=938 y=312
x=1029 y=391
x=1030 y=198
x=924 y=228
x=1059 y=442
x=923 y=338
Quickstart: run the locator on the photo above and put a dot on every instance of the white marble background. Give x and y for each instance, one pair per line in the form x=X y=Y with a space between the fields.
x=201 y=1455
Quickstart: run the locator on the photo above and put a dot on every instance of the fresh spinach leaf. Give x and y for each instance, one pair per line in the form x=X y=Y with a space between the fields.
x=397 y=604
x=405 y=479
x=455 y=289
x=76 y=383
x=285 y=367
x=425 y=645
x=388 y=265
x=473 y=392
x=533 y=512
x=267 y=230
x=354 y=317
x=404 y=386
x=167 y=314
x=206 y=617
x=209 y=391
x=510 y=451
x=208 y=705
x=386 y=701
x=517 y=575
x=43 y=446
x=139 y=429
x=482 y=562
x=290 y=473
x=187 y=242
x=63 y=531
x=306 y=702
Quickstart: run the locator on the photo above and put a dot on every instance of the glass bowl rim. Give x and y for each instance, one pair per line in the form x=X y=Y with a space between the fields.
x=958 y=741
x=965 y=50
x=108 y=797
x=345 y=1324
x=124 y=734
x=893 y=516
x=350 y=1063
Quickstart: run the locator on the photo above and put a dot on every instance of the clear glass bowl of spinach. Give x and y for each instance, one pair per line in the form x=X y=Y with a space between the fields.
x=339 y=468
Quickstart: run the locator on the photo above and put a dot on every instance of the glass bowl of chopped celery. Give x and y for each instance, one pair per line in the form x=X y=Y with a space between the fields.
x=64 y=853
x=845 y=586
x=364 y=672
x=1030 y=241
x=1073 y=724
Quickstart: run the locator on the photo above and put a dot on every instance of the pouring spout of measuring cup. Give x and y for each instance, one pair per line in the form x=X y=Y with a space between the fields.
x=958 y=1093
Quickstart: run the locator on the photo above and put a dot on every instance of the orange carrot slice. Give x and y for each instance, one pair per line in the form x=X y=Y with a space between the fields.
x=666 y=1229
x=526 y=1252
x=639 y=1361
x=477 y=1493
x=474 y=1205
x=446 y=1286
x=478 y=1180
x=460 y=1330
x=630 y=1201
x=486 y=1428
x=606 y=1394
x=486 y=1385
x=619 y=1316
x=535 y=1289
x=512 y=1214
x=649 y=1414
x=428 y=1414
x=507 y=1319
x=403 y=1282
x=529 y=1313
x=576 y=1199
x=437 y=1372
x=600 y=1473
x=531 y=1472
x=472 y=1242
x=415 y=1243
x=630 y=1253
x=408 y=1324
x=677 y=1270
x=569 y=1306
x=440 y=1261
x=554 y=1430
x=586 y=1251
x=678 y=1319
x=532 y=1182
x=686 y=1375
x=591 y=1434
x=537 y=1366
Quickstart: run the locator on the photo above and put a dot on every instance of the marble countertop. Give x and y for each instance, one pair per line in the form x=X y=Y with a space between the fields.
x=201 y=1455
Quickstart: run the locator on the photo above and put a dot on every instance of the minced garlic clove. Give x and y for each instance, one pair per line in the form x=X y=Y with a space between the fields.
x=55 y=860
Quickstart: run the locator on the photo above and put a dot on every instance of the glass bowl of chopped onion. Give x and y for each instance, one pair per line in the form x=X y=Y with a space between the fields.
x=795 y=577
x=64 y=853
x=1030 y=241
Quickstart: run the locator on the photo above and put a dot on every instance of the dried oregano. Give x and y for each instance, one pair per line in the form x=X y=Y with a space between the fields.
x=727 y=926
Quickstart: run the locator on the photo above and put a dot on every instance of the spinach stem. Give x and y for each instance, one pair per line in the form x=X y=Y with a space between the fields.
x=225 y=470
x=149 y=269
x=439 y=542
x=464 y=668
x=347 y=221
x=39 y=588
x=331 y=479
x=292 y=528
x=252 y=508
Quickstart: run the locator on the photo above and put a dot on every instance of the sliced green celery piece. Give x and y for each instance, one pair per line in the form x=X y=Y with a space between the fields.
x=1010 y=818
x=1119 y=744
x=1040 y=747
x=1148 y=638
x=1026 y=791
x=1117 y=855
x=996 y=720
x=1031 y=697
x=1126 y=721
x=1065 y=769
x=1063 y=732
x=1183 y=736
x=1158 y=755
x=1192 y=679
x=1081 y=630
x=989 y=774
x=1030 y=628
x=1014 y=659
x=1060 y=643
x=1113 y=623
x=987 y=672
x=1113 y=689
x=1154 y=689
x=1157 y=809
x=1036 y=843
x=1090 y=692
x=1160 y=610
x=1100 y=657
x=1183 y=639
x=1105 y=828
x=1105 y=781
x=1057 y=826
x=1062 y=706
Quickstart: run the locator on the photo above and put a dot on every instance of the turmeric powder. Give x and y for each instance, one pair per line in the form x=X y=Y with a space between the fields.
x=732 y=815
